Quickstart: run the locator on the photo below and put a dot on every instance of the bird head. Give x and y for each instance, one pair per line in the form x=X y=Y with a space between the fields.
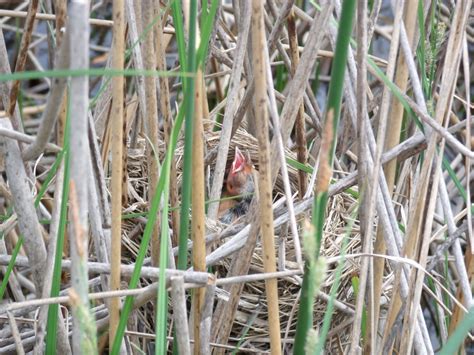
x=240 y=179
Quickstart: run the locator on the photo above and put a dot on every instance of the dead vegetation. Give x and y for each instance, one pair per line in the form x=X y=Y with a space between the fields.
x=397 y=240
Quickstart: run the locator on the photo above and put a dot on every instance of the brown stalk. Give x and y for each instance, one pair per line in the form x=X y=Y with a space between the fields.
x=418 y=233
x=198 y=225
x=365 y=224
x=151 y=124
x=21 y=60
x=295 y=94
x=265 y=181
x=394 y=125
x=62 y=115
x=458 y=312
x=117 y=145
x=165 y=109
x=60 y=7
x=300 y=128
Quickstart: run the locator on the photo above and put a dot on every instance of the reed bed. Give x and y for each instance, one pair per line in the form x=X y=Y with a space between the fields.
x=119 y=122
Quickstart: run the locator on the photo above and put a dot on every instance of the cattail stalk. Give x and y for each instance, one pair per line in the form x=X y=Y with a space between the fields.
x=117 y=146
x=265 y=182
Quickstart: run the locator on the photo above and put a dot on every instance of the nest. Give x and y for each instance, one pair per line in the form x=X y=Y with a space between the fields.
x=250 y=324
x=247 y=143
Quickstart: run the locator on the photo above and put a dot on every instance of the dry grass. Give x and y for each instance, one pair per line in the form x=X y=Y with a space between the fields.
x=412 y=213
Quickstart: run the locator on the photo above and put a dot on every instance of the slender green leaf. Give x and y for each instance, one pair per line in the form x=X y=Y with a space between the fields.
x=53 y=309
x=11 y=264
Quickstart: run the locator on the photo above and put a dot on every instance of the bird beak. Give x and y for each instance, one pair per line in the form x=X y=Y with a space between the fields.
x=239 y=161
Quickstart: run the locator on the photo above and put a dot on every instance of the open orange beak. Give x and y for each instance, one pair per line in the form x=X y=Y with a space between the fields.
x=239 y=161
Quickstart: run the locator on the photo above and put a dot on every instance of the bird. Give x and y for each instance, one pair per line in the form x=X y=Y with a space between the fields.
x=238 y=189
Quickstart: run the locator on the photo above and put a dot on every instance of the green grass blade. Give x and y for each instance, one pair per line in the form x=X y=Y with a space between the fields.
x=305 y=312
x=459 y=335
x=188 y=140
x=53 y=309
x=49 y=177
x=11 y=264
x=179 y=32
x=127 y=307
x=206 y=29
x=332 y=295
x=152 y=215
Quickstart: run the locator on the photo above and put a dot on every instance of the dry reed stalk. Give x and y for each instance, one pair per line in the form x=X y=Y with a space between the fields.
x=21 y=61
x=133 y=15
x=420 y=230
x=206 y=320
x=264 y=181
x=198 y=225
x=5 y=88
x=230 y=110
x=151 y=123
x=365 y=223
x=458 y=313
x=394 y=122
x=225 y=311
x=295 y=94
x=371 y=190
x=21 y=137
x=83 y=337
x=165 y=109
x=16 y=334
x=52 y=17
x=22 y=199
x=300 y=128
x=55 y=105
x=61 y=19
x=60 y=8
x=467 y=75
x=178 y=297
x=117 y=146
x=384 y=205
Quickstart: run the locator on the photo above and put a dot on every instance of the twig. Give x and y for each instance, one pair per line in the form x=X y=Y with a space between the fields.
x=284 y=169
x=50 y=17
x=53 y=105
x=126 y=270
x=206 y=319
x=180 y=314
x=22 y=199
x=16 y=334
x=21 y=137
